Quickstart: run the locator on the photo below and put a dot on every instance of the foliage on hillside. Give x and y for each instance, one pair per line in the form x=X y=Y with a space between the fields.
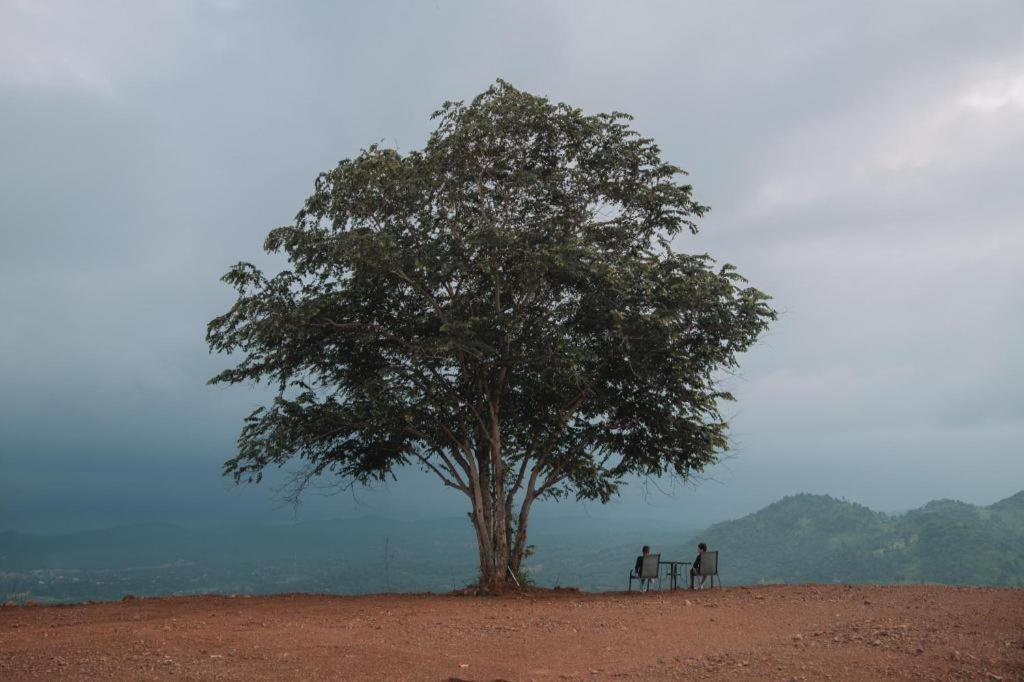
x=804 y=538
x=816 y=538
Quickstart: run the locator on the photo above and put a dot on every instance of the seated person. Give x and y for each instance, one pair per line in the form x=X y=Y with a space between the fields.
x=645 y=583
x=695 y=569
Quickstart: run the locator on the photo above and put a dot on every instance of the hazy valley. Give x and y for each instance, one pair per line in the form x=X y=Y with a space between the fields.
x=802 y=538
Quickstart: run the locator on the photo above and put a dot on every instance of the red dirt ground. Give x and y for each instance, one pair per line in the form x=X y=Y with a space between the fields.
x=808 y=632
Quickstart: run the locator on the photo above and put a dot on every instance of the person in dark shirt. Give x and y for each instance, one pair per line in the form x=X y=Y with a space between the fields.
x=645 y=583
x=695 y=569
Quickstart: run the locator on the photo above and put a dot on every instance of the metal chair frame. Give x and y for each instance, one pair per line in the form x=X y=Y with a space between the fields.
x=650 y=569
x=709 y=569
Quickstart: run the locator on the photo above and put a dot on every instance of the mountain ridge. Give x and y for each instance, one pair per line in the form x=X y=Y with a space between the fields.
x=818 y=538
x=799 y=538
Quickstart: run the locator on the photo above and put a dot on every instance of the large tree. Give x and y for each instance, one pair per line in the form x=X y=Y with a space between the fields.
x=503 y=308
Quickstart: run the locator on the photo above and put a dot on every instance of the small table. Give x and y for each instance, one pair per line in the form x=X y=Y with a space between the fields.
x=673 y=571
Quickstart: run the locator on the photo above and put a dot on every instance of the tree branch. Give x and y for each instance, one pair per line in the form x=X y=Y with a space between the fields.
x=458 y=485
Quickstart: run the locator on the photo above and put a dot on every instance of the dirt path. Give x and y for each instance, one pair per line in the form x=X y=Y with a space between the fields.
x=781 y=633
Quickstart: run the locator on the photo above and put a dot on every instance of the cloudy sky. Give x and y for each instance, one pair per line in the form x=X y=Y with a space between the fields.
x=864 y=162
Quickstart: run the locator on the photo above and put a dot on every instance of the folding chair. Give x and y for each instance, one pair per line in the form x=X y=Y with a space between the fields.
x=709 y=567
x=649 y=570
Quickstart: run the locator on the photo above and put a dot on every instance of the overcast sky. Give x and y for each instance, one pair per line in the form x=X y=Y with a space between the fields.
x=864 y=162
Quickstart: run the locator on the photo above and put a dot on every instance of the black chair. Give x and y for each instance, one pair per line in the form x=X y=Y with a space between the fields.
x=649 y=570
x=709 y=567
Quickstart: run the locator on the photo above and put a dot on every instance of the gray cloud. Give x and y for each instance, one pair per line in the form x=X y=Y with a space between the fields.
x=862 y=162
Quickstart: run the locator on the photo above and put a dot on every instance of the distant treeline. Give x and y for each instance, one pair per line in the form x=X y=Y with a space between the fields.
x=815 y=538
x=804 y=538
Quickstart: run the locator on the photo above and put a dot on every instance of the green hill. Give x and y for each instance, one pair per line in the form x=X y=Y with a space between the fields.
x=803 y=538
x=816 y=538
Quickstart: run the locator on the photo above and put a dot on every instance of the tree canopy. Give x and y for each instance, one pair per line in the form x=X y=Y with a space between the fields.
x=503 y=308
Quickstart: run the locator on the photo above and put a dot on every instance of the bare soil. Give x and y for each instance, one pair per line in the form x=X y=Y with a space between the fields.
x=807 y=632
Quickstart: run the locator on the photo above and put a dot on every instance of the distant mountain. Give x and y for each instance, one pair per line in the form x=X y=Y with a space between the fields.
x=816 y=538
x=1011 y=509
x=803 y=538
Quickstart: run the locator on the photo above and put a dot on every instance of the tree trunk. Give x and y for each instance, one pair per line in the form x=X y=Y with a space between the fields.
x=488 y=532
x=493 y=569
x=499 y=523
x=502 y=545
x=501 y=536
x=480 y=496
x=489 y=573
x=519 y=546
